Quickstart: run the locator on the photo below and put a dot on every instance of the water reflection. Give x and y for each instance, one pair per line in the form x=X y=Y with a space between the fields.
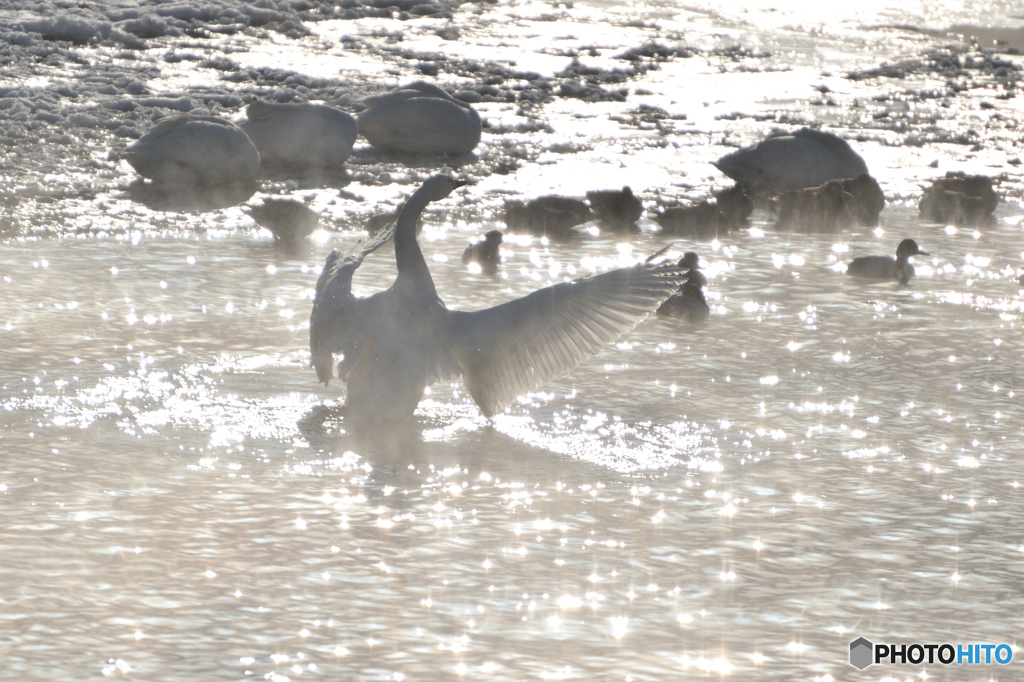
x=334 y=178
x=198 y=198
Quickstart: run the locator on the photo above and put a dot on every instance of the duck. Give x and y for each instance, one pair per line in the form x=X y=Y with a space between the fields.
x=736 y=203
x=616 y=209
x=691 y=263
x=420 y=118
x=885 y=268
x=688 y=304
x=832 y=207
x=868 y=198
x=549 y=216
x=290 y=221
x=708 y=219
x=960 y=199
x=824 y=209
x=703 y=221
x=300 y=134
x=484 y=252
x=791 y=161
x=395 y=343
x=194 y=150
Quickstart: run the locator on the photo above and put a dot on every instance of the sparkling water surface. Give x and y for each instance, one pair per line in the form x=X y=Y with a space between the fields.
x=824 y=460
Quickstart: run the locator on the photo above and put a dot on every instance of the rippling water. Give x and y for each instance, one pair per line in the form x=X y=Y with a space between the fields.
x=824 y=460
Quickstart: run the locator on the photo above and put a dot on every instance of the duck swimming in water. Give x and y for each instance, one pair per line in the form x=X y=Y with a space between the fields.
x=549 y=216
x=485 y=253
x=691 y=261
x=960 y=199
x=708 y=220
x=616 y=209
x=832 y=207
x=397 y=342
x=290 y=221
x=883 y=268
x=689 y=304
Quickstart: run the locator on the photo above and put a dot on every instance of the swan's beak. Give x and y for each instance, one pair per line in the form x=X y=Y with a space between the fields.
x=458 y=183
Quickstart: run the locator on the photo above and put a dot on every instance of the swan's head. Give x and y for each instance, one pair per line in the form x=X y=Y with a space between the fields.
x=440 y=186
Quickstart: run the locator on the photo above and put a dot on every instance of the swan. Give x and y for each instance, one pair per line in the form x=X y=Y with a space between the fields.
x=805 y=158
x=397 y=342
x=881 y=268
x=420 y=118
x=485 y=253
x=300 y=135
x=194 y=150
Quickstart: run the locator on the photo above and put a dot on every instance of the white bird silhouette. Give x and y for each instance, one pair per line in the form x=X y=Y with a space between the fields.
x=420 y=118
x=191 y=150
x=803 y=158
x=300 y=135
x=397 y=342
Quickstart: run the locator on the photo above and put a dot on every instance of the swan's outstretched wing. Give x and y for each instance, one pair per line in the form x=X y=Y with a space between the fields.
x=333 y=301
x=659 y=256
x=516 y=347
x=335 y=281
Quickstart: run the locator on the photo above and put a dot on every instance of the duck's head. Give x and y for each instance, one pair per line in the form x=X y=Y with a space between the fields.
x=440 y=186
x=690 y=260
x=908 y=248
x=493 y=237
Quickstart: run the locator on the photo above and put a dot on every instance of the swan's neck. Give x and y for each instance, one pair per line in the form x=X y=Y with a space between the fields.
x=412 y=267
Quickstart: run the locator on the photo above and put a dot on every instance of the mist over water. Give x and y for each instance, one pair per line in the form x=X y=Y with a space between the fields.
x=825 y=459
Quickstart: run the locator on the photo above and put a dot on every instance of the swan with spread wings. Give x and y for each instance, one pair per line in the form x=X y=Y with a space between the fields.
x=397 y=342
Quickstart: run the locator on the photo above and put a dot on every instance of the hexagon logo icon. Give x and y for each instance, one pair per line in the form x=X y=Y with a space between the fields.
x=861 y=653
